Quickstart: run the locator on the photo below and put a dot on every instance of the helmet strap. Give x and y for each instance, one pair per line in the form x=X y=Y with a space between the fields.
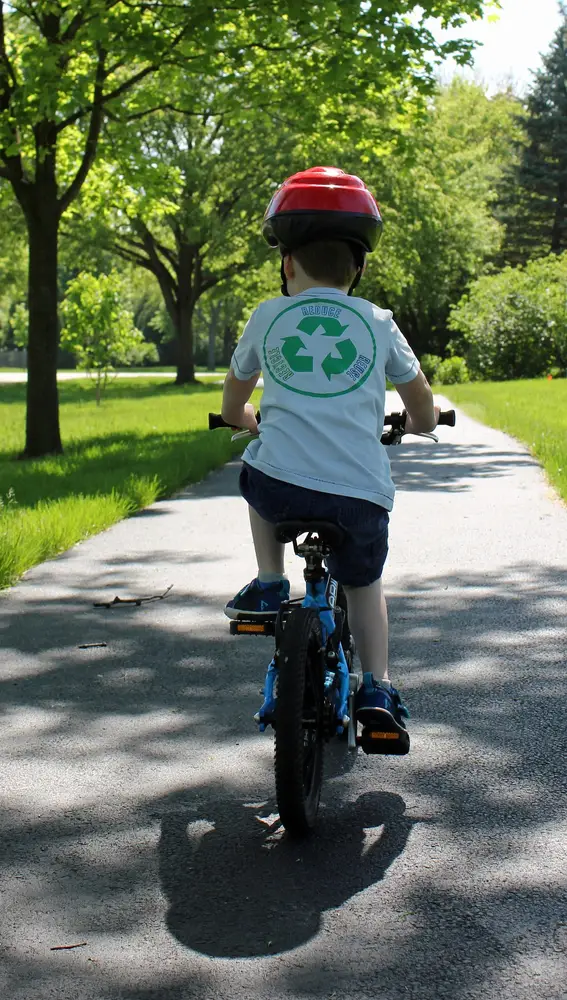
x=355 y=281
x=359 y=259
x=283 y=287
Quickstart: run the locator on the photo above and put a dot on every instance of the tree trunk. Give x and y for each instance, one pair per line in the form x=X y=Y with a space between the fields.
x=188 y=292
x=185 y=354
x=228 y=343
x=43 y=436
x=215 y=313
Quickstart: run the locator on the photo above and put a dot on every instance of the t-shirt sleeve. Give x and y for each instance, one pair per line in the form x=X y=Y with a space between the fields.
x=401 y=364
x=246 y=358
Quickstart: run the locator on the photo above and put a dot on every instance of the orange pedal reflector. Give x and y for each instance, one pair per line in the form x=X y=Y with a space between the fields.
x=249 y=627
x=383 y=736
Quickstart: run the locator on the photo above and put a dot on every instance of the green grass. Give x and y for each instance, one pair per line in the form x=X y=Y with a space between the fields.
x=534 y=411
x=146 y=439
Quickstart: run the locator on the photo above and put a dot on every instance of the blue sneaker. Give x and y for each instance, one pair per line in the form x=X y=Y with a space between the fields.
x=380 y=709
x=258 y=600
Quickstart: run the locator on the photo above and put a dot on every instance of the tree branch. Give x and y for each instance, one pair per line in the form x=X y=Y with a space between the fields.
x=167 y=282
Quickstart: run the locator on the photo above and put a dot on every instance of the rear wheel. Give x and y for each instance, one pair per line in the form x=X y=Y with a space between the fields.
x=299 y=721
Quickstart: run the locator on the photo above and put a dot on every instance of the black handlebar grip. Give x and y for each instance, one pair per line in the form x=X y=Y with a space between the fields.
x=447 y=417
x=216 y=421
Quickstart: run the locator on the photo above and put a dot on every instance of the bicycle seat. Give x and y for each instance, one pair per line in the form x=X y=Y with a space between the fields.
x=331 y=534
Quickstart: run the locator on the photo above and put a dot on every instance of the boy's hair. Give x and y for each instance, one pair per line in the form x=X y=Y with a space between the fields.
x=329 y=260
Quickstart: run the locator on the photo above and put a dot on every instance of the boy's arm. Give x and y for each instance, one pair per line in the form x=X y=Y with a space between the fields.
x=418 y=401
x=236 y=409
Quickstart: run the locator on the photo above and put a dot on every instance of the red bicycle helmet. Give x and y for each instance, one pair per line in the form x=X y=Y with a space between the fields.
x=322 y=203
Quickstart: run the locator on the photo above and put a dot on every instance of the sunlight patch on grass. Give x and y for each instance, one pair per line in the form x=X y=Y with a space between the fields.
x=146 y=439
x=533 y=410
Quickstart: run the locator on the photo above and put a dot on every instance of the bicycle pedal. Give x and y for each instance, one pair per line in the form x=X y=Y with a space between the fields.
x=377 y=741
x=239 y=626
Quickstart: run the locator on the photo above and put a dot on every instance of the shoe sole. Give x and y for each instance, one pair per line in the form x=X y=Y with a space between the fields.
x=381 y=733
x=236 y=615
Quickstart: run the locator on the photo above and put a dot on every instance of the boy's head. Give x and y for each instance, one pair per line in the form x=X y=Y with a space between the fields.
x=329 y=263
x=321 y=219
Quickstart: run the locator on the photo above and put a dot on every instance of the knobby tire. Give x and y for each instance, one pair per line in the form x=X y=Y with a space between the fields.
x=299 y=749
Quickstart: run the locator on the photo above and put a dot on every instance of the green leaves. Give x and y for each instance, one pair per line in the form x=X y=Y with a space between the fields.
x=514 y=324
x=437 y=193
x=97 y=328
x=534 y=198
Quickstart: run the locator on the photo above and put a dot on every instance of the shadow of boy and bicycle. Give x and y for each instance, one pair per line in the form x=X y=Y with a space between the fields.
x=238 y=887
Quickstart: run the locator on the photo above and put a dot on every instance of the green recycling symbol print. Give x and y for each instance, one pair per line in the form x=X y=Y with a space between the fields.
x=319 y=348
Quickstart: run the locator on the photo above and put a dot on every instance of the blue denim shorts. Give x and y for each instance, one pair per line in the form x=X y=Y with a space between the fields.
x=360 y=560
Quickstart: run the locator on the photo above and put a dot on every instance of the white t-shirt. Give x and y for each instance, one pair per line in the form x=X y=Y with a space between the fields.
x=324 y=357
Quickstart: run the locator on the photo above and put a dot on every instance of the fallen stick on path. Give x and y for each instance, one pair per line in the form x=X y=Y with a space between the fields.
x=68 y=947
x=133 y=600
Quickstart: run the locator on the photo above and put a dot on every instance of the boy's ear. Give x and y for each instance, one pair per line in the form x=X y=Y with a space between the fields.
x=288 y=266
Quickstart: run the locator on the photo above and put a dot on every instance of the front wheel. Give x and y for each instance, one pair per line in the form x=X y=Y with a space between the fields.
x=299 y=721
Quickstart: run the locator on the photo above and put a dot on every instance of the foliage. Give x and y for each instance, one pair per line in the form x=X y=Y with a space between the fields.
x=514 y=324
x=13 y=264
x=452 y=371
x=97 y=328
x=429 y=365
x=437 y=197
x=534 y=196
x=533 y=411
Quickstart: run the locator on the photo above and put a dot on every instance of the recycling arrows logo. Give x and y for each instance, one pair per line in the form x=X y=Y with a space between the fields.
x=331 y=364
x=319 y=347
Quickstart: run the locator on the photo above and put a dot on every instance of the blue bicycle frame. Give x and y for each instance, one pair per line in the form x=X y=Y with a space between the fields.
x=322 y=596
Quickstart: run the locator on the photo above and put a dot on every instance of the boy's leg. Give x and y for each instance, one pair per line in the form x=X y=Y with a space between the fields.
x=262 y=597
x=378 y=705
x=269 y=552
x=368 y=621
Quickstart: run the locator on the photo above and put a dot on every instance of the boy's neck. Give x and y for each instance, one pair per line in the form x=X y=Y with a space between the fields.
x=304 y=285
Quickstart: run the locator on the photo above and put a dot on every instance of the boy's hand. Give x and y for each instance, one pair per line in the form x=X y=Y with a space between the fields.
x=249 y=421
x=418 y=401
x=236 y=409
x=409 y=428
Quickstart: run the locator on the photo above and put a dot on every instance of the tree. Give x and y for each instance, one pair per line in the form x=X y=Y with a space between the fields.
x=437 y=194
x=97 y=328
x=189 y=209
x=534 y=196
x=65 y=68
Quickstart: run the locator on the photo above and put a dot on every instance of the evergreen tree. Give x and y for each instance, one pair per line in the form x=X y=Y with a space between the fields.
x=534 y=204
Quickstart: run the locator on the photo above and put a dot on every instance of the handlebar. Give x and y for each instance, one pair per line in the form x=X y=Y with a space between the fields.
x=396 y=421
x=216 y=421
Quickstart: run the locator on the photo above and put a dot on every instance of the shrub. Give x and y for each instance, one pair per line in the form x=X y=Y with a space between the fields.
x=513 y=324
x=453 y=370
x=429 y=366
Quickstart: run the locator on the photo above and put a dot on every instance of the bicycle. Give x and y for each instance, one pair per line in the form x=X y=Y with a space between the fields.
x=311 y=682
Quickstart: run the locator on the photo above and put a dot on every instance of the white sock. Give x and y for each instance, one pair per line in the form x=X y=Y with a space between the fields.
x=271 y=577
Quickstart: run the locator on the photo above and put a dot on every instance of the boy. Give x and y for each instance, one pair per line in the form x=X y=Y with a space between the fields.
x=324 y=359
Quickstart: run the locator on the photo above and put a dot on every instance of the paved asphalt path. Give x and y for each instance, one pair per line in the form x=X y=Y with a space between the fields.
x=138 y=808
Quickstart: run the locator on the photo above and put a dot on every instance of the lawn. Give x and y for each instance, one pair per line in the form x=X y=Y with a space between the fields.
x=146 y=439
x=534 y=411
